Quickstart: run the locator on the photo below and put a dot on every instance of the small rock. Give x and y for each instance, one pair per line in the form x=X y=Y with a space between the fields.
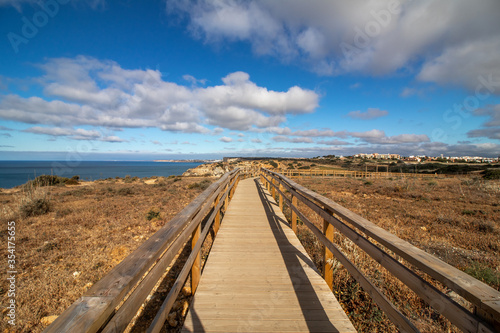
x=186 y=291
x=423 y=228
x=46 y=321
x=185 y=307
x=87 y=286
x=172 y=321
x=76 y=274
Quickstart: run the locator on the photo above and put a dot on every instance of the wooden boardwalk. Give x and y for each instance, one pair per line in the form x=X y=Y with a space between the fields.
x=259 y=278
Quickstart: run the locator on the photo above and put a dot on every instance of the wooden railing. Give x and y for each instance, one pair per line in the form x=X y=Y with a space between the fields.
x=349 y=173
x=486 y=300
x=112 y=302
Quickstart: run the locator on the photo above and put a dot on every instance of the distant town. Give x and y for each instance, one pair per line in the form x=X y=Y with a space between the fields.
x=423 y=158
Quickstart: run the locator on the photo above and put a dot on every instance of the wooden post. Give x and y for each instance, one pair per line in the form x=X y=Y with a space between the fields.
x=217 y=216
x=328 y=230
x=196 y=268
x=294 y=215
x=231 y=191
x=487 y=317
x=273 y=190
x=281 y=197
x=226 y=201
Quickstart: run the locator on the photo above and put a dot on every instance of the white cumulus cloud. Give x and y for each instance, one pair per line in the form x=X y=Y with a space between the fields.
x=369 y=37
x=86 y=91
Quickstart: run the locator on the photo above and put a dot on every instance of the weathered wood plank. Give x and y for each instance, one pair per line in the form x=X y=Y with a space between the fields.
x=259 y=264
x=250 y=325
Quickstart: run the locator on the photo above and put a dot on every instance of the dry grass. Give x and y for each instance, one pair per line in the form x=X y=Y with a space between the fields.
x=90 y=228
x=87 y=231
x=455 y=219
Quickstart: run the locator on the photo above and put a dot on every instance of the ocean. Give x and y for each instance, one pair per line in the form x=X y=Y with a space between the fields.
x=14 y=173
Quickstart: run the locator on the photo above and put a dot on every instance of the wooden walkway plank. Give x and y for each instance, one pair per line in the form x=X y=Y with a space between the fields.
x=259 y=278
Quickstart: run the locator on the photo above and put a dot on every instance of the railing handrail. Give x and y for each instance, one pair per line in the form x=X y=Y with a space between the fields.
x=485 y=299
x=127 y=280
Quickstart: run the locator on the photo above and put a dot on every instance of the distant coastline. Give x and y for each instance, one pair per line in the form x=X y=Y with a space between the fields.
x=186 y=161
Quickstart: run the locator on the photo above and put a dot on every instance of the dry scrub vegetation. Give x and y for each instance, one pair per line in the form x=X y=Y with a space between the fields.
x=69 y=237
x=455 y=219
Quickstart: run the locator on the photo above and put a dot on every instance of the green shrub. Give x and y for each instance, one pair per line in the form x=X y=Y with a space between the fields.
x=44 y=180
x=273 y=164
x=35 y=202
x=484 y=273
x=491 y=174
x=35 y=207
x=468 y=212
x=73 y=180
x=153 y=213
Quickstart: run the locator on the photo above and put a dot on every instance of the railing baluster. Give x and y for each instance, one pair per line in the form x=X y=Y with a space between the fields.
x=328 y=257
x=196 y=268
x=226 y=201
x=281 y=198
x=217 y=216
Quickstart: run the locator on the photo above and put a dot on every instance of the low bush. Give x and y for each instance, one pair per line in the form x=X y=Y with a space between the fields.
x=154 y=213
x=125 y=191
x=203 y=185
x=491 y=174
x=73 y=180
x=35 y=202
x=484 y=273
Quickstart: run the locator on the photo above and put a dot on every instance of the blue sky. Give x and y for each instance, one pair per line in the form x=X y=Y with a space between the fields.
x=134 y=80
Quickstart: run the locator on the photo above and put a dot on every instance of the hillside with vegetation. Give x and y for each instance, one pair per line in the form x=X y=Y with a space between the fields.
x=71 y=233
